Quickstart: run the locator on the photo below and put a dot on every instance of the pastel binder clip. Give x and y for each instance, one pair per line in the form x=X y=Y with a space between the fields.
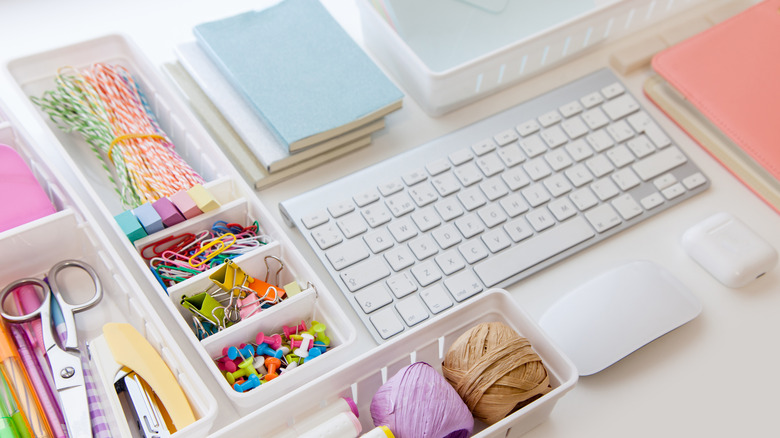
x=229 y=276
x=205 y=306
x=22 y=199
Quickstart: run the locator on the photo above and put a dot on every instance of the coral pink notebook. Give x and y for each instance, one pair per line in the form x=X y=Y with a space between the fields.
x=731 y=74
x=21 y=197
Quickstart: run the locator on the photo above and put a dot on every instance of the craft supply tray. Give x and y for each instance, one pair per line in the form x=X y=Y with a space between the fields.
x=361 y=377
x=440 y=90
x=30 y=250
x=35 y=74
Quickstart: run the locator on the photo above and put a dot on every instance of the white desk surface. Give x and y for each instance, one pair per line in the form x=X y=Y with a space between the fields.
x=718 y=376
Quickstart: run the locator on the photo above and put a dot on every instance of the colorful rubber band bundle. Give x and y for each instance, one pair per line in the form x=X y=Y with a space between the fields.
x=105 y=105
x=179 y=257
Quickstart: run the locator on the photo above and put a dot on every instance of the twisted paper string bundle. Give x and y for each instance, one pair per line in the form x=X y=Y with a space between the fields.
x=105 y=105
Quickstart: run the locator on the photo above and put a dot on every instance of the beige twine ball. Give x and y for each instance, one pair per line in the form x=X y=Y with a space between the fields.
x=495 y=371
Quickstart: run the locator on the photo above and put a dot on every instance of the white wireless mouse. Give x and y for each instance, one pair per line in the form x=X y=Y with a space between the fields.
x=607 y=318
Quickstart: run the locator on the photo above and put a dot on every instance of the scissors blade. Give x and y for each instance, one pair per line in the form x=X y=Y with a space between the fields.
x=76 y=411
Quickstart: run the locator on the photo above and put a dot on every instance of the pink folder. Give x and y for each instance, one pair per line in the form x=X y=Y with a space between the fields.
x=731 y=74
x=21 y=197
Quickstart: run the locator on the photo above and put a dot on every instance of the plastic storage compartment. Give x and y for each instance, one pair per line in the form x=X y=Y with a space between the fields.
x=445 y=61
x=30 y=250
x=35 y=74
x=361 y=377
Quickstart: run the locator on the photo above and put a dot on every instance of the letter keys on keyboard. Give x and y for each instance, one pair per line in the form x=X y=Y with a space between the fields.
x=485 y=206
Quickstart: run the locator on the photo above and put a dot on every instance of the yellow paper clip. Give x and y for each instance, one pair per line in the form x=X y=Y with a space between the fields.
x=222 y=246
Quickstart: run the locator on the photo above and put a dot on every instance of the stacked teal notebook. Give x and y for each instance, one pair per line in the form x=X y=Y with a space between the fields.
x=300 y=73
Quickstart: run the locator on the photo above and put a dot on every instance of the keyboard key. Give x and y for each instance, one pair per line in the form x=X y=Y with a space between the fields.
x=627 y=207
x=402 y=229
x=496 y=240
x=423 y=247
x=557 y=185
x=641 y=146
x=412 y=311
x=399 y=204
x=625 y=179
x=347 y=254
x=579 y=150
x=595 y=118
x=503 y=138
x=583 y=198
x=450 y=262
x=492 y=215
x=378 y=240
x=390 y=187
x=533 y=251
x=562 y=209
x=518 y=229
x=515 y=178
x=415 y=176
x=570 y=109
x=659 y=139
x=401 y=284
x=469 y=225
x=373 y=298
x=386 y=323
x=461 y=156
x=620 y=131
x=366 y=197
x=514 y=205
x=448 y=209
x=554 y=137
x=437 y=166
x=673 y=191
x=511 y=155
x=490 y=165
x=473 y=251
x=620 y=156
x=493 y=188
x=527 y=128
x=549 y=118
x=426 y=219
x=468 y=174
x=364 y=273
x=536 y=195
x=341 y=208
x=352 y=225
x=446 y=236
x=463 y=285
x=426 y=273
x=693 y=181
x=651 y=201
x=436 y=298
x=620 y=107
x=599 y=165
x=592 y=99
x=326 y=236
x=399 y=258
x=315 y=219
x=613 y=90
x=600 y=140
x=445 y=184
x=605 y=189
x=541 y=219
x=579 y=175
x=575 y=128
x=487 y=145
x=423 y=194
x=471 y=198
x=537 y=168
x=533 y=146
x=603 y=217
x=664 y=181
x=659 y=163
x=376 y=215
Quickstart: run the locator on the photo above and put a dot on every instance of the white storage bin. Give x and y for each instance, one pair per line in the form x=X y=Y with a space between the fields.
x=35 y=74
x=30 y=250
x=443 y=88
x=361 y=377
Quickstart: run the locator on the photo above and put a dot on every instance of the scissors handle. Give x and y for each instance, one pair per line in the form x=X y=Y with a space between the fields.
x=68 y=309
x=46 y=300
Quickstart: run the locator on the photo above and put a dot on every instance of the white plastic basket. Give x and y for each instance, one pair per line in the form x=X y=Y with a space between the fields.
x=441 y=91
x=361 y=377
x=35 y=74
x=29 y=250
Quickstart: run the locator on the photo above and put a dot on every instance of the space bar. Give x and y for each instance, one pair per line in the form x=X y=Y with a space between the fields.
x=533 y=251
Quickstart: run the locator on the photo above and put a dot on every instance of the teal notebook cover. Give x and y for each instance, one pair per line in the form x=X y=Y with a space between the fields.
x=299 y=70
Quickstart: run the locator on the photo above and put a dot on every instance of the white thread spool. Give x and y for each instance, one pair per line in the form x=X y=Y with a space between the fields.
x=343 y=425
x=311 y=420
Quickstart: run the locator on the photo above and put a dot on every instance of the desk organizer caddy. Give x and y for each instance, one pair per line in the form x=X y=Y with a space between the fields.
x=439 y=92
x=361 y=377
x=35 y=74
x=29 y=250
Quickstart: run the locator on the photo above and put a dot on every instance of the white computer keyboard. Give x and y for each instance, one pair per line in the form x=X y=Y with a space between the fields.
x=492 y=203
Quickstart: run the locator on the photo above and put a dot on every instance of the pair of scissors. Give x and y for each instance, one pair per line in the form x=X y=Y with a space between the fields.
x=65 y=361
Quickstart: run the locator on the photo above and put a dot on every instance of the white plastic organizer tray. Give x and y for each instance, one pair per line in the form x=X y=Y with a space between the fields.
x=30 y=250
x=361 y=377
x=405 y=43
x=35 y=74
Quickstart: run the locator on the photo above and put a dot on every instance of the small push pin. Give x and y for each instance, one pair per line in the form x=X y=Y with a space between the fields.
x=306 y=344
x=265 y=350
x=272 y=364
x=317 y=330
x=315 y=352
x=289 y=331
x=244 y=351
x=274 y=341
x=245 y=369
x=251 y=382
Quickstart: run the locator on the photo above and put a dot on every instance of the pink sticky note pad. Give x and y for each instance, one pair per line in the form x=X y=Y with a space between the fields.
x=22 y=199
x=185 y=204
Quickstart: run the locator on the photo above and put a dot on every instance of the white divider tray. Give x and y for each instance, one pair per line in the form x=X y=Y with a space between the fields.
x=35 y=74
x=361 y=377
x=30 y=250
